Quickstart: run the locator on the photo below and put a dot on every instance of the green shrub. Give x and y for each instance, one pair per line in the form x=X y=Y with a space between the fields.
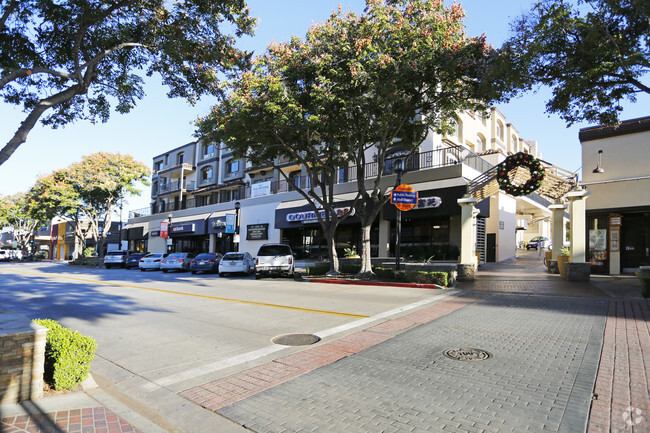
x=68 y=355
x=89 y=252
x=86 y=261
x=350 y=268
x=384 y=273
x=318 y=270
x=422 y=277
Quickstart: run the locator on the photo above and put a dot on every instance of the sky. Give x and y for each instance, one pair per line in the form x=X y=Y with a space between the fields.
x=158 y=124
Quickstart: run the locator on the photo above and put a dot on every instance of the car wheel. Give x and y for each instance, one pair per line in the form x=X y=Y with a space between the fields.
x=108 y=266
x=258 y=276
x=222 y=274
x=142 y=269
x=165 y=270
x=193 y=272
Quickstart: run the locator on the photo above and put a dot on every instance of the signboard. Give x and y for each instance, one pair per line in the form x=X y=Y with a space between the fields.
x=164 y=227
x=261 y=189
x=235 y=239
x=615 y=220
x=614 y=235
x=182 y=228
x=257 y=232
x=230 y=222
x=404 y=197
x=154 y=233
x=170 y=241
x=309 y=216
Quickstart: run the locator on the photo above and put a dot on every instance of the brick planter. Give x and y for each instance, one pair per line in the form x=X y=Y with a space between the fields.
x=578 y=271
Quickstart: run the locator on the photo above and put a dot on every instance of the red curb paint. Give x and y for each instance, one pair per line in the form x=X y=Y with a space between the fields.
x=374 y=283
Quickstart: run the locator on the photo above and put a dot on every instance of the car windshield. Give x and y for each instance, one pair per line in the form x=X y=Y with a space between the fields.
x=153 y=255
x=233 y=257
x=176 y=256
x=115 y=253
x=205 y=256
x=274 y=250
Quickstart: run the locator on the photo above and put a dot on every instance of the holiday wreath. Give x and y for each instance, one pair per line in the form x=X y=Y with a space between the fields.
x=520 y=159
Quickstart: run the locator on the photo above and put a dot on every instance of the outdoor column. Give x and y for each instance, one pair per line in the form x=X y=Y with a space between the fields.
x=384 y=238
x=467 y=265
x=577 y=268
x=557 y=228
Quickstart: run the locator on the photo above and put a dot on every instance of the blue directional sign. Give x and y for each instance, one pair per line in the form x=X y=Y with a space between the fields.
x=404 y=197
x=230 y=222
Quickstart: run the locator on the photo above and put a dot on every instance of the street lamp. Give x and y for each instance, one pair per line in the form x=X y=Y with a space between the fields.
x=399 y=168
x=169 y=233
x=237 y=207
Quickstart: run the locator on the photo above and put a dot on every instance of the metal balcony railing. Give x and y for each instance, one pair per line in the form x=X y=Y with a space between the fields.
x=419 y=161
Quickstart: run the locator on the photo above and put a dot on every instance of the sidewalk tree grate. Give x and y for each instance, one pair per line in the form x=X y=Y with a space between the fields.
x=296 y=339
x=467 y=354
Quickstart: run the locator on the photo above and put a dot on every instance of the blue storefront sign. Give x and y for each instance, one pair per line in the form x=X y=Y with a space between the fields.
x=230 y=222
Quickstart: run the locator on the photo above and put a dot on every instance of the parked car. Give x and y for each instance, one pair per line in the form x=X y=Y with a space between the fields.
x=205 y=262
x=151 y=261
x=133 y=260
x=4 y=256
x=538 y=242
x=116 y=258
x=236 y=262
x=176 y=262
x=274 y=259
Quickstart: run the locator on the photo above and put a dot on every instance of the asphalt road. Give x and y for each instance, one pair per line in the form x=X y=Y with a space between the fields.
x=167 y=332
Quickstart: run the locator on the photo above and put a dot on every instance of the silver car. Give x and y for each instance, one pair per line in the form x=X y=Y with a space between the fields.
x=151 y=261
x=236 y=262
x=176 y=262
x=274 y=259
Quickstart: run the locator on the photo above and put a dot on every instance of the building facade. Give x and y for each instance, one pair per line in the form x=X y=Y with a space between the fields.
x=615 y=170
x=199 y=189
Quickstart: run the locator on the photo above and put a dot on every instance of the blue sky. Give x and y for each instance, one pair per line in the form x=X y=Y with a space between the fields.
x=158 y=124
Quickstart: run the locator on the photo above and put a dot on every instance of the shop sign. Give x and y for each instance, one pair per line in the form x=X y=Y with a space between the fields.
x=164 y=227
x=230 y=222
x=257 y=232
x=429 y=202
x=310 y=216
x=182 y=228
x=155 y=233
x=261 y=189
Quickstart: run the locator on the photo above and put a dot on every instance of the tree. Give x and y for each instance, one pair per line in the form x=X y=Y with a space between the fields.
x=14 y=212
x=592 y=53
x=368 y=81
x=278 y=111
x=71 y=57
x=88 y=192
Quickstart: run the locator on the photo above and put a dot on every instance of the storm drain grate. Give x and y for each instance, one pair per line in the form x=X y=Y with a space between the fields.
x=296 y=339
x=467 y=354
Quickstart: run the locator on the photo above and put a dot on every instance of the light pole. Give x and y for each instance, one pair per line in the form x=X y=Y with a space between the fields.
x=169 y=233
x=237 y=207
x=398 y=230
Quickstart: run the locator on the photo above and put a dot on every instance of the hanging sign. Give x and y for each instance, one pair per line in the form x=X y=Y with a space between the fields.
x=230 y=222
x=164 y=227
x=404 y=197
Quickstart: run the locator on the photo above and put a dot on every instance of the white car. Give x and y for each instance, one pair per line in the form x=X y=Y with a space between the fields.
x=274 y=259
x=236 y=262
x=116 y=258
x=151 y=261
x=4 y=256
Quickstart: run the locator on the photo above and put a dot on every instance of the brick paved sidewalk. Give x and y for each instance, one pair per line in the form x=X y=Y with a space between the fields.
x=621 y=398
x=89 y=420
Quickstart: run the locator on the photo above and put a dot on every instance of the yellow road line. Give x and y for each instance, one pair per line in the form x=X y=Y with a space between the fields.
x=214 y=298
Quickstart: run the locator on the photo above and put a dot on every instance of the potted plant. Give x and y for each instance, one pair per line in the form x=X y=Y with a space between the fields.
x=562 y=260
x=350 y=253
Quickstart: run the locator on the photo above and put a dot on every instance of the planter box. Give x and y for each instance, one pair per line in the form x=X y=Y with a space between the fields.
x=578 y=271
x=553 y=267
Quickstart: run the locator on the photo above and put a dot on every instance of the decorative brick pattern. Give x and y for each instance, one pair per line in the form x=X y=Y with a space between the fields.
x=90 y=420
x=621 y=401
x=223 y=392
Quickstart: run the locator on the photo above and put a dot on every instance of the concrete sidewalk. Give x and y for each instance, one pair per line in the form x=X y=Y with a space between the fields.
x=553 y=356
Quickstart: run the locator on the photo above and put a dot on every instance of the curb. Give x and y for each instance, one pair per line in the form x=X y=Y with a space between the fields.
x=373 y=283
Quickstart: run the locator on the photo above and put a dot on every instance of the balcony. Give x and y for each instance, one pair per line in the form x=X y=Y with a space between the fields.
x=420 y=161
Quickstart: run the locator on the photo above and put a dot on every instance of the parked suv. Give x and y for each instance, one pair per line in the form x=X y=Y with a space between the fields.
x=116 y=258
x=274 y=259
x=538 y=242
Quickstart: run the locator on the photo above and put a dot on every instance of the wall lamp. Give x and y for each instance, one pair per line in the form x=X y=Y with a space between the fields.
x=599 y=166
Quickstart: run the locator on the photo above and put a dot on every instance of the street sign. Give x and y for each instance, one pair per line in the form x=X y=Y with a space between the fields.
x=404 y=197
x=230 y=223
x=164 y=227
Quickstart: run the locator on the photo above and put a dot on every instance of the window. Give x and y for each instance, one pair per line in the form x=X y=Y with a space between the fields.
x=232 y=166
x=480 y=143
x=180 y=158
x=206 y=174
x=154 y=187
x=157 y=166
x=499 y=130
x=207 y=149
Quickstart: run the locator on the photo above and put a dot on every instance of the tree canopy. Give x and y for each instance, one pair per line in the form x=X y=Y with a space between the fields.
x=15 y=213
x=355 y=83
x=592 y=53
x=88 y=191
x=73 y=57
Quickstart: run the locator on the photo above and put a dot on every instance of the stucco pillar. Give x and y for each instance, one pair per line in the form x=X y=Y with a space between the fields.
x=577 y=212
x=384 y=238
x=213 y=243
x=557 y=228
x=467 y=265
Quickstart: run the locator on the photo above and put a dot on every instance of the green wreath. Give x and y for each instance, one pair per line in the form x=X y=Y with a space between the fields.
x=520 y=159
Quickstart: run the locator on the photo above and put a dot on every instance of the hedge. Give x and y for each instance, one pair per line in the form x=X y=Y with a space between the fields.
x=419 y=277
x=68 y=355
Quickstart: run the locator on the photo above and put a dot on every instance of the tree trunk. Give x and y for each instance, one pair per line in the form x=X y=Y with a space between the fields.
x=331 y=252
x=366 y=263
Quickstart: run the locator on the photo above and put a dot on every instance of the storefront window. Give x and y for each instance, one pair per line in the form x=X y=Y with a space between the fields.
x=597 y=242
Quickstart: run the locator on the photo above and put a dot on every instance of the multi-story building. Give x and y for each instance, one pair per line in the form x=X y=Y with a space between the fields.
x=615 y=170
x=198 y=187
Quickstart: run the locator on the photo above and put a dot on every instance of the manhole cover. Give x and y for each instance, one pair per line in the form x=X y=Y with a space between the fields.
x=296 y=339
x=467 y=354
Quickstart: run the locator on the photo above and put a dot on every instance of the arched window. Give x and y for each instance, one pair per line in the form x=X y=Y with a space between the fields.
x=207 y=149
x=206 y=174
x=480 y=143
x=499 y=130
x=180 y=158
x=232 y=166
